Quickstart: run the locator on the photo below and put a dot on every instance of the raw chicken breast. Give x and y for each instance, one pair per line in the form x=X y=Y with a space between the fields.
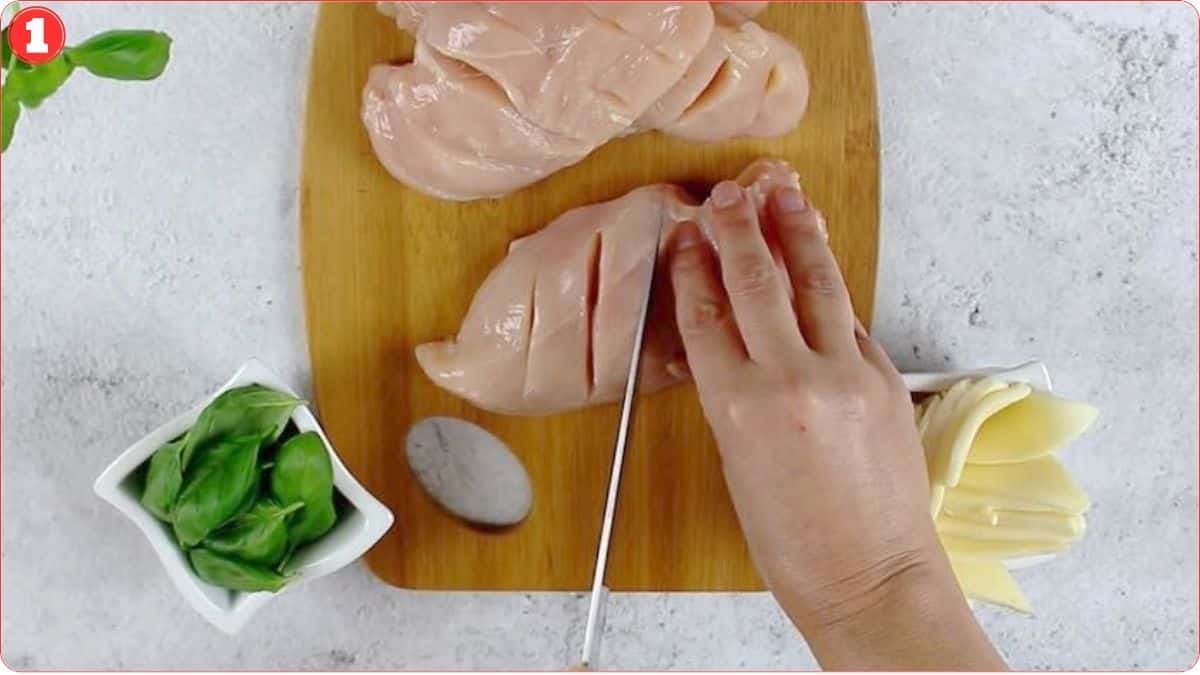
x=547 y=328
x=551 y=328
x=501 y=95
x=441 y=126
x=747 y=82
x=582 y=70
x=408 y=15
x=733 y=12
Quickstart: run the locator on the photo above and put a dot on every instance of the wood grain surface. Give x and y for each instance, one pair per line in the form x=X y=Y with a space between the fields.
x=386 y=268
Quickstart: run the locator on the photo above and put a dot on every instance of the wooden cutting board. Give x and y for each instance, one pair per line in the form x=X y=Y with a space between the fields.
x=386 y=268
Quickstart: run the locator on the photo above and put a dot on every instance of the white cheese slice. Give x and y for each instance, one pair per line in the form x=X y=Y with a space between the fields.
x=979 y=513
x=1041 y=482
x=1033 y=427
x=989 y=581
x=981 y=549
x=1015 y=527
x=956 y=418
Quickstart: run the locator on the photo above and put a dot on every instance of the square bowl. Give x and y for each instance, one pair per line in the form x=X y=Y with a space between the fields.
x=363 y=524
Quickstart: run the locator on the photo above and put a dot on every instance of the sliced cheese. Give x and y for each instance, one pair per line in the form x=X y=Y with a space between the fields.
x=1033 y=427
x=1052 y=524
x=1042 y=482
x=959 y=438
x=925 y=413
x=937 y=494
x=939 y=409
x=921 y=414
x=963 y=498
x=1048 y=527
x=989 y=581
x=981 y=549
x=981 y=513
x=959 y=414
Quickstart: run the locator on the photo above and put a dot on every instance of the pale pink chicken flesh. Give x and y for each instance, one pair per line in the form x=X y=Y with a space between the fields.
x=735 y=12
x=551 y=328
x=408 y=15
x=747 y=82
x=503 y=94
x=582 y=70
x=441 y=125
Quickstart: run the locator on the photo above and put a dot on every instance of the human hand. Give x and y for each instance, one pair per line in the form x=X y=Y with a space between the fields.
x=815 y=427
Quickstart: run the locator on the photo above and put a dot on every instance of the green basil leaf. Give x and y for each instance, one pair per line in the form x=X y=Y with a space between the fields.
x=303 y=473
x=258 y=536
x=36 y=84
x=251 y=496
x=246 y=411
x=236 y=575
x=123 y=54
x=7 y=50
x=9 y=115
x=215 y=488
x=163 y=480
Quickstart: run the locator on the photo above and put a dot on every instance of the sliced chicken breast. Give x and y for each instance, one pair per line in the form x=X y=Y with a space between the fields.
x=501 y=95
x=582 y=70
x=748 y=82
x=408 y=15
x=440 y=126
x=551 y=328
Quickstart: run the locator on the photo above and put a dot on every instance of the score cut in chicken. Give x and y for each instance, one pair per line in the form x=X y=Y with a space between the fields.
x=502 y=94
x=551 y=328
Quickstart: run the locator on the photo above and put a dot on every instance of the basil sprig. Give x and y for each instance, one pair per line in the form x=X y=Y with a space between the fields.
x=123 y=54
x=116 y=55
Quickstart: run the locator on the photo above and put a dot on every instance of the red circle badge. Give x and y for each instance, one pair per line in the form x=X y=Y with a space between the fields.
x=36 y=35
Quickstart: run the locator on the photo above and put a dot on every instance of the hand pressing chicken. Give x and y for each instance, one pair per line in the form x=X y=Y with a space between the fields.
x=552 y=326
x=503 y=94
x=817 y=441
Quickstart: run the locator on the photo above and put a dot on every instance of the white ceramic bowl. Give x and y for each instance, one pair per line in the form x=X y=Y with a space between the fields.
x=356 y=531
x=1033 y=373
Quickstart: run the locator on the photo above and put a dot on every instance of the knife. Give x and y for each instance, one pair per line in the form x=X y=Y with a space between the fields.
x=595 y=616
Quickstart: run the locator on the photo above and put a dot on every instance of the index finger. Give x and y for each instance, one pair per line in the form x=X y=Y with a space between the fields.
x=755 y=287
x=702 y=312
x=823 y=306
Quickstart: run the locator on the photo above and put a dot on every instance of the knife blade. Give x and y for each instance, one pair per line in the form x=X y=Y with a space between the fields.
x=599 y=598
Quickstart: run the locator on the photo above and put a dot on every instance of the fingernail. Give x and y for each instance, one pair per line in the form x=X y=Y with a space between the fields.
x=687 y=237
x=790 y=200
x=726 y=194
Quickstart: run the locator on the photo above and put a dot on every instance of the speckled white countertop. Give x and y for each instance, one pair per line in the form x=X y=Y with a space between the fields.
x=1040 y=200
